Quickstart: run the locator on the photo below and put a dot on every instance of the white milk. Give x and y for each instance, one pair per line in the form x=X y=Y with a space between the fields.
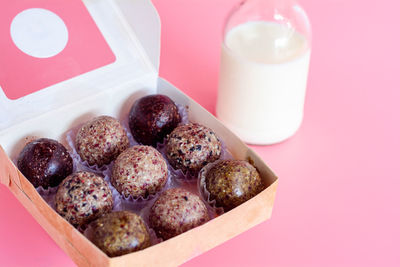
x=263 y=77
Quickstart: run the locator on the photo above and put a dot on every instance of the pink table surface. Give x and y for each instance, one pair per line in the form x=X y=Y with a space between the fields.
x=338 y=202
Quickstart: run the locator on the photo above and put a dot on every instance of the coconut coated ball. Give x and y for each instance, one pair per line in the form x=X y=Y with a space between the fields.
x=152 y=118
x=192 y=146
x=83 y=197
x=101 y=140
x=139 y=171
x=118 y=233
x=45 y=162
x=177 y=211
x=232 y=182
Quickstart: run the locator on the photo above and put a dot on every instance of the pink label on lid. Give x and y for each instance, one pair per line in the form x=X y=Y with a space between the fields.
x=46 y=42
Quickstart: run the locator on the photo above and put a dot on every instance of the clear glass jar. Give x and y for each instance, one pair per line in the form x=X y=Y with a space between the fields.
x=265 y=57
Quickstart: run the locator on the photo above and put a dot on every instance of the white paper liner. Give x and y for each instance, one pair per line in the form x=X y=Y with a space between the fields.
x=48 y=195
x=205 y=195
x=183 y=111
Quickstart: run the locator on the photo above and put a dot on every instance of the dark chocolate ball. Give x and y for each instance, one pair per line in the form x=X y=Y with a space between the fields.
x=232 y=182
x=152 y=118
x=83 y=197
x=100 y=140
x=177 y=211
x=119 y=233
x=45 y=162
x=192 y=146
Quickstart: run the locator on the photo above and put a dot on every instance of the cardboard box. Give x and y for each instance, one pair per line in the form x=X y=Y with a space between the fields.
x=131 y=28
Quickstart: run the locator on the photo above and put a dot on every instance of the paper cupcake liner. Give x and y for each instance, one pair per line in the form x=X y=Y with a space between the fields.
x=48 y=195
x=125 y=124
x=184 y=112
x=144 y=213
x=154 y=239
x=204 y=193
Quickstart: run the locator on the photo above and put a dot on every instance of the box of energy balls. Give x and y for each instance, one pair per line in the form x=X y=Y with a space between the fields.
x=117 y=165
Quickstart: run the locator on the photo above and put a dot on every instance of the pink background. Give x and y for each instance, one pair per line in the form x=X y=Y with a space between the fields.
x=338 y=201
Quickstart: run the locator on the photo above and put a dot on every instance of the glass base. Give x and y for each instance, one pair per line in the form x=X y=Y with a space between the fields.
x=267 y=137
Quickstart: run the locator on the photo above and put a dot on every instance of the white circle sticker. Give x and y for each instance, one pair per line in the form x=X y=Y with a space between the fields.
x=39 y=33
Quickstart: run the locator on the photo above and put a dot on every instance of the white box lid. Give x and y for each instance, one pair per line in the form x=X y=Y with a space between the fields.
x=131 y=28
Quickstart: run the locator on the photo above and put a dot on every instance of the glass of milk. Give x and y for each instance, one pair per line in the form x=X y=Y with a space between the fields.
x=264 y=66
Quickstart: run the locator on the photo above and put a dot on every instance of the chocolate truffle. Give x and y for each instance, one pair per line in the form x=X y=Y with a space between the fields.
x=83 y=197
x=190 y=147
x=101 y=140
x=175 y=212
x=139 y=171
x=232 y=182
x=45 y=162
x=153 y=117
x=118 y=233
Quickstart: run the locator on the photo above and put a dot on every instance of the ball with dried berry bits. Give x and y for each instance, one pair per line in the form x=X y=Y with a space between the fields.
x=83 y=197
x=139 y=171
x=100 y=140
x=177 y=211
x=192 y=146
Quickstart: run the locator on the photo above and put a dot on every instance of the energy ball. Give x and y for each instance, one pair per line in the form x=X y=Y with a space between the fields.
x=192 y=146
x=119 y=233
x=45 y=162
x=152 y=118
x=175 y=212
x=232 y=182
x=139 y=171
x=83 y=197
x=101 y=140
